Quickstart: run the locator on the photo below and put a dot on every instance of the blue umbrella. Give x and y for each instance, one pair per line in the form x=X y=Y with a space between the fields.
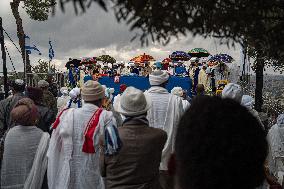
x=180 y=55
x=224 y=58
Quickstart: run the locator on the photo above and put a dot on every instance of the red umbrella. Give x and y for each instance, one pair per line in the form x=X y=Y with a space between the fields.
x=142 y=58
x=89 y=60
x=166 y=60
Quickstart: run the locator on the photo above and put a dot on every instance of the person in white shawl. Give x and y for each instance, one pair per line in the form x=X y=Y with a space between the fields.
x=275 y=139
x=165 y=113
x=233 y=91
x=73 y=155
x=62 y=100
x=179 y=92
x=24 y=160
x=248 y=102
x=75 y=99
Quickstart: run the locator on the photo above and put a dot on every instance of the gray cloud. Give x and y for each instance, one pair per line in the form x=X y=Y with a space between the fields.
x=94 y=33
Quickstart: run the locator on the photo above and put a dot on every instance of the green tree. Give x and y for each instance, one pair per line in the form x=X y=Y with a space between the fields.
x=106 y=59
x=256 y=24
x=37 y=10
x=41 y=69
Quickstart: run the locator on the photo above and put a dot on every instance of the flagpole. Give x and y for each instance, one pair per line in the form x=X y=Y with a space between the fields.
x=25 y=68
x=49 y=57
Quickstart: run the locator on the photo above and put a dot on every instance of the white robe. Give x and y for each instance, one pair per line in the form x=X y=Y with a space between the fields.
x=165 y=113
x=68 y=166
x=62 y=101
x=275 y=140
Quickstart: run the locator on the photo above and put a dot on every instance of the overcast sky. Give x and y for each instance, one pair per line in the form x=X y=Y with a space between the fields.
x=92 y=34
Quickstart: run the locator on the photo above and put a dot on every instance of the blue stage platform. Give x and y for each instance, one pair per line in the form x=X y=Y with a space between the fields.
x=142 y=83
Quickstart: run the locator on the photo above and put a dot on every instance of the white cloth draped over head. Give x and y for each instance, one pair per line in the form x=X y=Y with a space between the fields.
x=247 y=101
x=233 y=91
x=179 y=92
x=68 y=166
x=24 y=161
x=165 y=113
x=74 y=93
x=39 y=167
x=275 y=139
x=158 y=77
x=64 y=91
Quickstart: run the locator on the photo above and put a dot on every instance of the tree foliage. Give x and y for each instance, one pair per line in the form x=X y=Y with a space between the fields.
x=42 y=67
x=39 y=9
x=259 y=23
x=106 y=59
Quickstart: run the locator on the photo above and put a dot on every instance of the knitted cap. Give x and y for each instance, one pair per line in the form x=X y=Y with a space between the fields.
x=92 y=91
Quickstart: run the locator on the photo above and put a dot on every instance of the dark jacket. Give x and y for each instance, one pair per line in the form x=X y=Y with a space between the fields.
x=136 y=166
x=47 y=117
x=6 y=107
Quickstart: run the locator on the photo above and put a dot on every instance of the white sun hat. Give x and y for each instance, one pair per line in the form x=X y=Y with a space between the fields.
x=133 y=102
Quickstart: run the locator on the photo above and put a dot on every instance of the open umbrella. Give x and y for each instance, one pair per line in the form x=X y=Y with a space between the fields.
x=224 y=58
x=180 y=56
x=142 y=58
x=74 y=62
x=89 y=60
x=166 y=60
x=198 y=52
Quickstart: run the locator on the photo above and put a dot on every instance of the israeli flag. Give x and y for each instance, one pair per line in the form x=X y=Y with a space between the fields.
x=30 y=48
x=51 y=51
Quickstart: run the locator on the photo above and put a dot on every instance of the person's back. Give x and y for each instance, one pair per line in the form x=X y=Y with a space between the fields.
x=275 y=139
x=164 y=114
x=136 y=165
x=49 y=100
x=47 y=116
x=20 y=147
x=6 y=105
x=85 y=167
x=74 y=147
x=24 y=159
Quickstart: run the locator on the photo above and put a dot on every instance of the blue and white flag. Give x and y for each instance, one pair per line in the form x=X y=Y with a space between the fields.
x=30 y=48
x=51 y=51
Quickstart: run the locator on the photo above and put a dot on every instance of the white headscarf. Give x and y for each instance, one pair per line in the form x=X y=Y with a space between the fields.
x=177 y=91
x=74 y=93
x=247 y=101
x=158 y=77
x=233 y=91
x=64 y=91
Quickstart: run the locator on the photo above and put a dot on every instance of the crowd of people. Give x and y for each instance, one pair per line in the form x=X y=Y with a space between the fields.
x=199 y=71
x=153 y=139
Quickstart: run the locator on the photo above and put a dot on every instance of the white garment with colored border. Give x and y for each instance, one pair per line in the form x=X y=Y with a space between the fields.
x=165 y=113
x=68 y=166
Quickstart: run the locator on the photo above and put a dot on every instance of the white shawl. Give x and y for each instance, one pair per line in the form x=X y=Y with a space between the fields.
x=275 y=139
x=39 y=167
x=165 y=113
x=59 y=153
